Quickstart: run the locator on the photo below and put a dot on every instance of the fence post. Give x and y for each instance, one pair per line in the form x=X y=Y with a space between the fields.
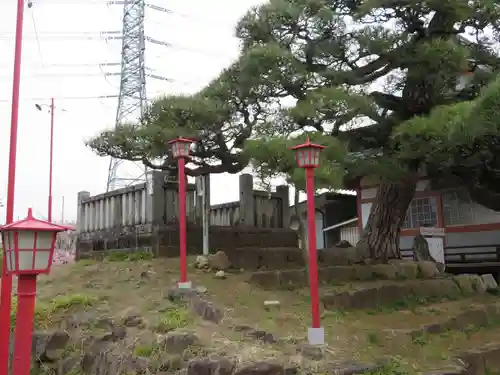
x=158 y=198
x=247 y=200
x=282 y=191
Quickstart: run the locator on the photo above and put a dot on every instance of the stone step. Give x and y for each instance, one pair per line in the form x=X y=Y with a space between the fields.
x=297 y=278
x=373 y=296
x=483 y=360
x=260 y=258
x=470 y=319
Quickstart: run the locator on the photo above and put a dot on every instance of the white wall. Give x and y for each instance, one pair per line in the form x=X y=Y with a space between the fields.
x=350 y=234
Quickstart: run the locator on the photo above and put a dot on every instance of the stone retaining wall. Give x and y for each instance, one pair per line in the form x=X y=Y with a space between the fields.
x=390 y=294
x=297 y=278
x=164 y=241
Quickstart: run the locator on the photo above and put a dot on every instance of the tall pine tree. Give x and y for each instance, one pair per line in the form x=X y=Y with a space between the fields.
x=382 y=77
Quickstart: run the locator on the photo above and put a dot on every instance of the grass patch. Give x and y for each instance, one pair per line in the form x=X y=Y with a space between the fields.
x=394 y=367
x=44 y=312
x=146 y=350
x=411 y=303
x=173 y=318
x=128 y=256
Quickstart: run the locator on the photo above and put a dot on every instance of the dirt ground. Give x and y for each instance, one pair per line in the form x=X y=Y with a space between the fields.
x=109 y=288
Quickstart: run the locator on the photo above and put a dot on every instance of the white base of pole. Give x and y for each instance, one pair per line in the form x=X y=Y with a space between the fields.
x=185 y=285
x=316 y=336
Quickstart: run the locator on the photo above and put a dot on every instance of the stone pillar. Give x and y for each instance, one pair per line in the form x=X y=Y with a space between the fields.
x=158 y=198
x=283 y=192
x=247 y=200
x=200 y=209
x=118 y=212
x=80 y=212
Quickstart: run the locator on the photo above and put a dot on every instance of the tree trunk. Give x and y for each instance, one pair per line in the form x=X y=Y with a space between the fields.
x=380 y=239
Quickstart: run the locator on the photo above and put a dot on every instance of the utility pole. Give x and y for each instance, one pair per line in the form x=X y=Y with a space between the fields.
x=62 y=211
x=51 y=159
x=51 y=154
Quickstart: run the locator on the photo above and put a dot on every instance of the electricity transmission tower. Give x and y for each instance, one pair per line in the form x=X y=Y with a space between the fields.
x=132 y=97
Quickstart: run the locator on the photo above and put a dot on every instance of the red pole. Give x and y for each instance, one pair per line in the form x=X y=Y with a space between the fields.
x=25 y=318
x=6 y=289
x=313 y=257
x=51 y=158
x=182 y=220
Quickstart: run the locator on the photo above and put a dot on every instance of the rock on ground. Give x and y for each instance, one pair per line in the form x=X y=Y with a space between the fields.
x=219 y=261
x=489 y=282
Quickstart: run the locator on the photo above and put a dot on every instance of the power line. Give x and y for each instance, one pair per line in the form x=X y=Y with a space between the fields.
x=37 y=38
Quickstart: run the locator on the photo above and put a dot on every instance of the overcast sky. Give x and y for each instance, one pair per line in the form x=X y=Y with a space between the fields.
x=201 y=33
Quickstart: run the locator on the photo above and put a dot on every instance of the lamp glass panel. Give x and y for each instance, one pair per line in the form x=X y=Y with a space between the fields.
x=13 y=260
x=44 y=240
x=42 y=259
x=25 y=239
x=184 y=149
x=8 y=242
x=175 y=149
x=7 y=260
x=301 y=157
x=316 y=156
x=309 y=157
x=25 y=259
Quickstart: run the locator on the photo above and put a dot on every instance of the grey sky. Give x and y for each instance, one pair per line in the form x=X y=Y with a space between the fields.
x=202 y=35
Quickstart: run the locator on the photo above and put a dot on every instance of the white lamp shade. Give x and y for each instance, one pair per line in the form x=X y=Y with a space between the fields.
x=8 y=247
x=44 y=248
x=27 y=251
x=308 y=157
x=180 y=149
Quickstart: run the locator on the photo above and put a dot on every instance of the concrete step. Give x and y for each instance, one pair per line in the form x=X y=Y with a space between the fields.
x=469 y=320
x=393 y=294
x=265 y=258
x=295 y=277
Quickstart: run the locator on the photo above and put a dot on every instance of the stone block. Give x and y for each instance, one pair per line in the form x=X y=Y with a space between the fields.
x=265 y=279
x=363 y=272
x=336 y=274
x=478 y=284
x=406 y=270
x=427 y=270
x=292 y=279
x=489 y=282
x=437 y=288
x=464 y=282
x=384 y=271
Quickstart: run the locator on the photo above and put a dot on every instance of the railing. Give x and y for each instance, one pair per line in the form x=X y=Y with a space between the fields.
x=123 y=207
x=136 y=205
x=268 y=209
x=225 y=214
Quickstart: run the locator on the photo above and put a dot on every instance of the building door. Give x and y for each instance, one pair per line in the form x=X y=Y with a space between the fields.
x=320 y=237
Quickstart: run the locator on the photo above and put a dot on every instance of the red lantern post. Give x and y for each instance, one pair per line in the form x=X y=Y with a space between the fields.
x=180 y=151
x=28 y=251
x=307 y=155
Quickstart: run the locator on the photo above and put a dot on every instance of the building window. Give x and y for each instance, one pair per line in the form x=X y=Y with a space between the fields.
x=458 y=209
x=422 y=212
